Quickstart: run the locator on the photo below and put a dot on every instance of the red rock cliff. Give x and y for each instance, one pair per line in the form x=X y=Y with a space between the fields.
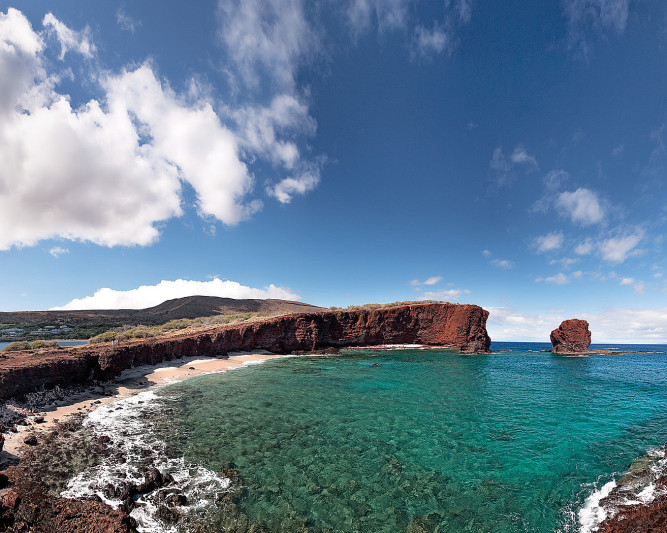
x=572 y=336
x=460 y=326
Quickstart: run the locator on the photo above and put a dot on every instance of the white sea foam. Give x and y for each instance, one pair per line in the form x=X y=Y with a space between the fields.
x=639 y=491
x=136 y=449
x=592 y=513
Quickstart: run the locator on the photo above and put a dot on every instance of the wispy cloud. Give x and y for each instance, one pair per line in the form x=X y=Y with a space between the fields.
x=505 y=264
x=57 y=251
x=69 y=39
x=125 y=22
x=617 y=249
x=503 y=167
x=586 y=17
x=557 y=279
x=433 y=280
x=444 y=294
x=549 y=242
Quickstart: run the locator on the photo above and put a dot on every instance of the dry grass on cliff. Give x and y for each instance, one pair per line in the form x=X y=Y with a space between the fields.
x=180 y=325
x=367 y=307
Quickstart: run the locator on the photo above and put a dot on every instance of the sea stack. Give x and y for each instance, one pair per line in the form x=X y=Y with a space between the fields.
x=571 y=337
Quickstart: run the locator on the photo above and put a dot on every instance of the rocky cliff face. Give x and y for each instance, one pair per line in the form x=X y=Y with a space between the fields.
x=460 y=326
x=572 y=336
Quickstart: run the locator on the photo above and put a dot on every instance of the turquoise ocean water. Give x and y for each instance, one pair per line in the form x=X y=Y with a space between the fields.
x=516 y=441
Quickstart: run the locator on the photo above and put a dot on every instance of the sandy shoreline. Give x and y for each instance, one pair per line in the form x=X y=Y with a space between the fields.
x=128 y=383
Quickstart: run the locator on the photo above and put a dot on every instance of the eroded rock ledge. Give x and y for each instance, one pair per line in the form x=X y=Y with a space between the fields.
x=460 y=326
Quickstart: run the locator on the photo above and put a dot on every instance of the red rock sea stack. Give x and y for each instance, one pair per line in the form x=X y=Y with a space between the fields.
x=571 y=337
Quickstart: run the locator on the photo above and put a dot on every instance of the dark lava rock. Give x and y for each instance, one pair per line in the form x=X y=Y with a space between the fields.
x=168 y=514
x=39 y=420
x=10 y=499
x=571 y=337
x=30 y=440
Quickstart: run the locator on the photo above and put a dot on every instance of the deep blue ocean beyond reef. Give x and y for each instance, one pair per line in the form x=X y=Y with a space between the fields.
x=516 y=441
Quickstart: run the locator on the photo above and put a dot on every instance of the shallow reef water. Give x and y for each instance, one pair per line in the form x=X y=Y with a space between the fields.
x=413 y=440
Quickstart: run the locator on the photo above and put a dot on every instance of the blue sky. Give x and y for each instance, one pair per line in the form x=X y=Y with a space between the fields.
x=508 y=154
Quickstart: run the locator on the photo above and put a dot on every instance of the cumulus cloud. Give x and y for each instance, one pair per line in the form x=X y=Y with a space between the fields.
x=581 y=206
x=150 y=295
x=617 y=249
x=552 y=181
x=623 y=325
x=486 y=253
x=549 y=242
x=111 y=171
x=627 y=281
x=444 y=294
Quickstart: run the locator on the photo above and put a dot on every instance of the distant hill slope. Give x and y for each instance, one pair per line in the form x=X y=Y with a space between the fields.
x=188 y=307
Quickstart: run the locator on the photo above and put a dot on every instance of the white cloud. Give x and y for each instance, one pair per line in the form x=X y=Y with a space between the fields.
x=111 y=171
x=618 y=249
x=58 y=250
x=125 y=22
x=288 y=187
x=581 y=206
x=444 y=294
x=389 y=14
x=627 y=281
x=486 y=253
x=550 y=241
x=269 y=37
x=521 y=157
x=618 y=151
x=584 y=248
x=639 y=288
x=577 y=274
x=503 y=263
x=566 y=262
x=624 y=325
x=150 y=295
x=433 y=41
x=597 y=15
x=503 y=166
x=69 y=39
x=433 y=280
x=268 y=41
x=557 y=279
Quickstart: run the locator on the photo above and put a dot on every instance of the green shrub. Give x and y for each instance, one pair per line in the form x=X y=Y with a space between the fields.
x=16 y=346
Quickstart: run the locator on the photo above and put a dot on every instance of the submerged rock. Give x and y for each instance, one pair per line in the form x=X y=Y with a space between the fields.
x=571 y=337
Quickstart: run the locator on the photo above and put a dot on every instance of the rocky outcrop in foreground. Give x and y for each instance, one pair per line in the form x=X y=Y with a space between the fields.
x=571 y=337
x=459 y=326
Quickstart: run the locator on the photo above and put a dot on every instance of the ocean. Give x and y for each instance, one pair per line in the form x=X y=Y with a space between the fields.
x=393 y=441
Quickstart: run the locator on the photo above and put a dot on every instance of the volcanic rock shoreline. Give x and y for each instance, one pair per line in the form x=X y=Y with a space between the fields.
x=29 y=504
x=462 y=327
